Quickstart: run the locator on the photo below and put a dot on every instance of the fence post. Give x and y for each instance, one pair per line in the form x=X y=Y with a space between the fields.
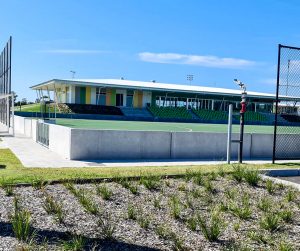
x=229 y=133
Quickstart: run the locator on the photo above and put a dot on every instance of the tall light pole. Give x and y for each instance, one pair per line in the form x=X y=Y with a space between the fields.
x=242 y=117
x=190 y=78
x=73 y=74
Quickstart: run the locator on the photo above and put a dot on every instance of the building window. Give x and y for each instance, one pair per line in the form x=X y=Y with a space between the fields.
x=100 y=96
x=129 y=98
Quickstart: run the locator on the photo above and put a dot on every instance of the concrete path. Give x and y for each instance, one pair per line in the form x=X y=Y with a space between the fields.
x=32 y=154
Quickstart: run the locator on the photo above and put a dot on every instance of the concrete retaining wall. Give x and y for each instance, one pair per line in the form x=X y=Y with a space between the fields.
x=84 y=144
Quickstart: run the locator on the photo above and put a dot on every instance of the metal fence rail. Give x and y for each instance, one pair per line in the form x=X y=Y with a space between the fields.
x=286 y=143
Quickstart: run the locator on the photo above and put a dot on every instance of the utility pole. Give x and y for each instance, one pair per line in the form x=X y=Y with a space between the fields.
x=190 y=78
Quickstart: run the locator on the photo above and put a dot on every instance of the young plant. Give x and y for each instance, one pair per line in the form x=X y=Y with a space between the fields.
x=221 y=172
x=238 y=172
x=104 y=192
x=192 y=223
x=264 y=204
x=209 y=187
x=182 y=187
x=211 y=229
x=230 y=193
x=144 y=221
x=270 y=186
x=196 y=193
x=285 y=246
x=38 y=183
x=198 y=178
x=131 y=212
x=252 y=177
x=258 y=237
x=52 y=207
x=175 y=206
x=20 y=221
x=76 y=243
x=290 y=195
x=164 y=232
x=270 y=222
x=151 y=182
x=243 y=211
x=107 y=227
x=8 y=190
x=212 y=176
x=157 y=202
x=236 y=226
x=286 y=215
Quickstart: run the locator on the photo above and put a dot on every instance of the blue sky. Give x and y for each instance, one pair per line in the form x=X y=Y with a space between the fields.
x=165 y=40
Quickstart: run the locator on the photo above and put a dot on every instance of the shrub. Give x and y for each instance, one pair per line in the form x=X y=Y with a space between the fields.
x=52 y=207
x=175 y=206
x=151 y=182
x=124 y=182
x=104 y=192
x=286 y=215
x=290 y=195
x=20 y=221
x=212 y=229
x=76 y=243
x=270 y=186
x=270 y=222
x=264 y=204
x=252 y=177
x=238 y=172
x=198 y=178
x=107 y=227
x=242 y=211
x=8 y=190
x=131 y=212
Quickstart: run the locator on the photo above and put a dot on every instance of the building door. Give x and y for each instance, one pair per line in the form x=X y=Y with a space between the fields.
x=119 y=99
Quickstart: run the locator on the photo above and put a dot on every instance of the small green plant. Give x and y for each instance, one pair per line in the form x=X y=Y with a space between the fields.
x=238 y=172
x=211 y=229
x=264 y=204
x=175 y=206
x=133 y=188
x=182 y=187
x=270 y=186
x=196 y=193
x=20 y=221
x=76 y=243
x=236 y=226
x=157 y=202
x=38 y=183
x=164 y=232
x=8 y=190
x=104 y=192
x=192 y=223
x=198 y=178
x=285 y=246
x=252 y=176
x=178 y=244
x=230 y=193
x=270 y=221
x=52 y=207
x=243 y=211
x=209 y=187
x=212 y=176
x=144 y=221
x=189 y=175
x=107 y=227
x=258 y=237
x=167 y=183
x=290 y=195
x=131 y=212
x=286 y=215
x=151 y=182
x=221 y=172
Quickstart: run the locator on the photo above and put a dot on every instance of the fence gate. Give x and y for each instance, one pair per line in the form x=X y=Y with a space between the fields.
x=286 y=145
x=42 y=131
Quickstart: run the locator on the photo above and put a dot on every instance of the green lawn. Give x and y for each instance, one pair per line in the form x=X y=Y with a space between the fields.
x=158 y=126
x=13 y=172
x=31 y=108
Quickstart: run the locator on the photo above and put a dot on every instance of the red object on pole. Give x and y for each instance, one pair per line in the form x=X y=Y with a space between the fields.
x=243 y=109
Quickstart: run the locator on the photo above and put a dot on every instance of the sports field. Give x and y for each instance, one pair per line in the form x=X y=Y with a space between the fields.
x=158 y=126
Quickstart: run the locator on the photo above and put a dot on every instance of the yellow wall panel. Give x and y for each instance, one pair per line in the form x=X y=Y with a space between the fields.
x=108 y=96
x=88 y=95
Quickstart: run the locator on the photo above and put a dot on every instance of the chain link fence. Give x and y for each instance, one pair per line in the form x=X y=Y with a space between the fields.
x=287 y=108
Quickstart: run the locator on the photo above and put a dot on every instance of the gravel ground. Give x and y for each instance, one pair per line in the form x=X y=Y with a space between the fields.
x=153 y=209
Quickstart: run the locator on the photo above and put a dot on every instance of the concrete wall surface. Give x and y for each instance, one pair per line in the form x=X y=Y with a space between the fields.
x=59 y=140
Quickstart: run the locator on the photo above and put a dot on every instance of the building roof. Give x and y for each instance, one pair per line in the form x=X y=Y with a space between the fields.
x=151 y=86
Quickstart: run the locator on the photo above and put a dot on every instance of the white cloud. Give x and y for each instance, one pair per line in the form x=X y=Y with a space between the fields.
x=72 y=51
x=269 y=81
x=200 y=60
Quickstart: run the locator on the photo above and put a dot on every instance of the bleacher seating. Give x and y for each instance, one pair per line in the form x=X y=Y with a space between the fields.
x=90 y=109
x=211 y=115
x=291 y=118
x=170 y=112
x=255 y=117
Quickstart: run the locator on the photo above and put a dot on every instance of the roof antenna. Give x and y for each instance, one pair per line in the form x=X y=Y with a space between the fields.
x=73 y=74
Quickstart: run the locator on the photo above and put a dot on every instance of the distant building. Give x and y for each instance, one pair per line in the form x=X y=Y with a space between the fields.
x=139 y=94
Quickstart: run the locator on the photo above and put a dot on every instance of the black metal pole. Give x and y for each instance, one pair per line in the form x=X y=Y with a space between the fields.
x=276 y=104
x=242 y=122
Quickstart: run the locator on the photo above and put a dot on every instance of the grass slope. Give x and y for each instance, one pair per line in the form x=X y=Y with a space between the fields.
x=12 y=171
